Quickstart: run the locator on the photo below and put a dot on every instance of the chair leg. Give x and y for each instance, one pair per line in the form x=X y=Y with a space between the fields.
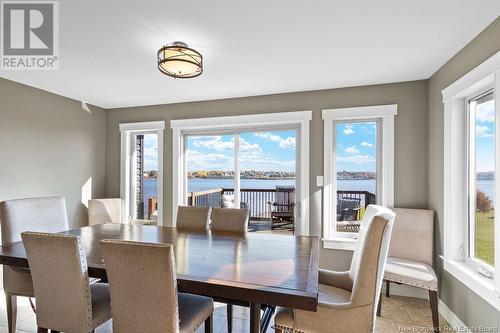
x=11 y=301
x=209 y=324
x=433 y=298
x=387 y=287
x=379 y=306
x=229 y=311
x=42 y=330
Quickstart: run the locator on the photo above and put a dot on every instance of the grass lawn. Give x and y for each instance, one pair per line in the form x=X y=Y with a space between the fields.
x=484 y=236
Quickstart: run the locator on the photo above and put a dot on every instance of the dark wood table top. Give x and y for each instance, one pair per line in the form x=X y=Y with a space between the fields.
x=255 y=267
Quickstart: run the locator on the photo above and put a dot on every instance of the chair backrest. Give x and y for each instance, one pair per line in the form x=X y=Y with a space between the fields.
x=105 y=211
x=60 y=278
x=349 y=203
x=285 y=194
x=193 y=218
x=143 y=286
x=229 y=219
x=45 y=214
x=413 y=235
x=370 y=255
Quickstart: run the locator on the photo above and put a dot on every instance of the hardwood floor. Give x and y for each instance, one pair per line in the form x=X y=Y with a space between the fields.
x=399 y=314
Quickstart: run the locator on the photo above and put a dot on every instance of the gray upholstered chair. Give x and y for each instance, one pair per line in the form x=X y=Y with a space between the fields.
x=65 y=300
x=193 y=218
x=110 y=211
x=105 y=211
x=229 y=219
x=347 y=300
x=410 y=255
x=144 y=295
x=38 y=214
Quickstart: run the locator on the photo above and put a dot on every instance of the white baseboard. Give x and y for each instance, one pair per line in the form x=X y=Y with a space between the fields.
x=452 y=318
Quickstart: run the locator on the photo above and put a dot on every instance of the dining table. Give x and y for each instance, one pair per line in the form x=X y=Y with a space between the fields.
x=257 y=270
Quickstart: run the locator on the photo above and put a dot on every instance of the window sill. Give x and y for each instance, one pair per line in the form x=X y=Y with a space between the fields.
x=340 y=243
x=481 y=285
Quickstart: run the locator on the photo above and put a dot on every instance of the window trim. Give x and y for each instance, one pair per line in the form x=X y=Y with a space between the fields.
x=455 y=174
x=297 y=119
x=384 y=114
x=126 y=132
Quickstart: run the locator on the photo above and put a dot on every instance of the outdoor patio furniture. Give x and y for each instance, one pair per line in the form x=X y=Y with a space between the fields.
x=283 y=208
x=348 y=209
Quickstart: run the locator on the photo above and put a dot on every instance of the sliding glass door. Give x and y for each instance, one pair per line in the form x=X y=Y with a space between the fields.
x=249 y=169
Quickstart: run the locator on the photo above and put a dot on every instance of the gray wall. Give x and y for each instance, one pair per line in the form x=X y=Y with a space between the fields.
x=410 y=152
x=469 y=307
x=49 y=146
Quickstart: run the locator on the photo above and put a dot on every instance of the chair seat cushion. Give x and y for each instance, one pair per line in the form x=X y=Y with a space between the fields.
x=17 y=281
x=284 y=318
x=411 y=273
x=193 y=311
x=101 y=307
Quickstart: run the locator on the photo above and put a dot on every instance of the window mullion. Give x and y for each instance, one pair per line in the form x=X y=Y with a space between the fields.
x=236 y=156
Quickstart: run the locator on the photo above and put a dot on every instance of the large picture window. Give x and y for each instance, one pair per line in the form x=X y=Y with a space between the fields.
x=255 y=162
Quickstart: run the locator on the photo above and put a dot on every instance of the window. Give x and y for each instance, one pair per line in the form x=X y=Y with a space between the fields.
x=257 y=174
x=358 y=168
x=481 y=156
x=471 y=163
x=256 y=162
x=356 y=172
x=141 y=172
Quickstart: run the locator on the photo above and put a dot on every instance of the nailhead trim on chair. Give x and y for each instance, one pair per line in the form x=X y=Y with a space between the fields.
x=424 y=286
x=286 y=329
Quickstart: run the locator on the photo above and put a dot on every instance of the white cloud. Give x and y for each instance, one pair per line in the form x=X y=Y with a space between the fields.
x=348 y=130
x=212 y=161
x=366 y=144
x=285 y=143
x=358 y=158
x=215 y=142
x=486 y=112
x=483 y=131
x=351 y=150
x=150 y=152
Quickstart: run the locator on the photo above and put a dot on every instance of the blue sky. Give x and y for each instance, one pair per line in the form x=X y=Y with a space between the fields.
x=356 y=146
x=485 y=136
x=261 y=151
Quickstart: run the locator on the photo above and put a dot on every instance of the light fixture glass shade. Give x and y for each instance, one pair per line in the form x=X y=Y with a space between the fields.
x=180 y=61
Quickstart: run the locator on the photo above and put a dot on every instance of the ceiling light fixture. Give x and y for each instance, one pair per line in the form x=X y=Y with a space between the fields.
x=179 y=61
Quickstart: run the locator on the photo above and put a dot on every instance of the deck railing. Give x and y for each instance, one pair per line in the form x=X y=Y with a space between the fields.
x=256 y=200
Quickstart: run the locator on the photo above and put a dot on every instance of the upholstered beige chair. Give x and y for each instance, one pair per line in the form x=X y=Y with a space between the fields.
x=410 y=255
x=347 y=300
x=229 y=219
x=144 y=295
x=38 y=214
x=65 y=300
x=105 y=211
x=193 y=218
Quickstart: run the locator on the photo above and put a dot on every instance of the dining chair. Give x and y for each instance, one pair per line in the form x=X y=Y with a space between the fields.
x=65 y=300
x=231 y=220
x=110 y=211
x=105 y=211
x=347 y=300
x=410 y=255
x=38 y=214
x=193 y=218
x=144 y=295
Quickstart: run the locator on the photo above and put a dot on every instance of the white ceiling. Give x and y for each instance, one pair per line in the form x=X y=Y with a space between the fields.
x=108 y=48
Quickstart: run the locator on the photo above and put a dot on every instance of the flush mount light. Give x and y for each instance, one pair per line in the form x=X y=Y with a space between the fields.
x=179 y=61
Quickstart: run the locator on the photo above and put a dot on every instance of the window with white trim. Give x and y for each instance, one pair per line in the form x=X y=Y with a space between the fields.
x=471 y=163
x=141 y=174
x=358 y=168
